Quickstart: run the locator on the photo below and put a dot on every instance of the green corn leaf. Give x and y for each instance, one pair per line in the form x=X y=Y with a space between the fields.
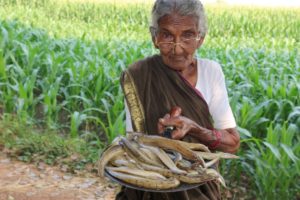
x=295 y=113
x=2 y=66
x=75 y=122
x=273 y=149
x=289 y=152
x=244 y=132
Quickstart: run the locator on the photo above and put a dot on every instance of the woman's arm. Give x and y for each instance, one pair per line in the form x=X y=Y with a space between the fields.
x=226 y=140
x=229 y=140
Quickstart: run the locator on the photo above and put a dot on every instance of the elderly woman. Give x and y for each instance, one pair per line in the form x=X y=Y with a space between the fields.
x=194 y=89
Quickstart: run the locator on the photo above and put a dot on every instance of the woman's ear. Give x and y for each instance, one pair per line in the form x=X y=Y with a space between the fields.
x=153 y=33
x=154 y=42
x=200 y=41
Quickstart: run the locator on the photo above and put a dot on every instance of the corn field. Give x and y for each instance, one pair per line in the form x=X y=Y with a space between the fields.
x=60 y=63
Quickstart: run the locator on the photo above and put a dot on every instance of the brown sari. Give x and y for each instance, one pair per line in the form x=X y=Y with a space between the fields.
x=151 y=89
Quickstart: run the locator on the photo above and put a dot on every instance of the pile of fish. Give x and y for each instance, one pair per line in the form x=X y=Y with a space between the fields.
x=155 y=162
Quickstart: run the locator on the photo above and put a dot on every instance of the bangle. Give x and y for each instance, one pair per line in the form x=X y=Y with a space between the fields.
x=217 y=142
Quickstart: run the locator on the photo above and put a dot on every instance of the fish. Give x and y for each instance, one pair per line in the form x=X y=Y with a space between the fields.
x=132 y=148
x=171 y=144
x=215 y=173
x=107 y=155
x=165 y=159
x=174 y=155
x=159 y=163
x=137 y=172
x=211 y=156
x=157 y=184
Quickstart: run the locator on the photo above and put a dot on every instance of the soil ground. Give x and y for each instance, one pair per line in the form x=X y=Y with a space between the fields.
x=23 y=181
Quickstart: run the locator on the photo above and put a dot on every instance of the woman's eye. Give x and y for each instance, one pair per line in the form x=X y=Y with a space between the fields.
x=188 y=35
x=167 y=36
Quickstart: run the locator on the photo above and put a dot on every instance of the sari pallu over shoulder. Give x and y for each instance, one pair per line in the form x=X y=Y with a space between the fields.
x=151 y=89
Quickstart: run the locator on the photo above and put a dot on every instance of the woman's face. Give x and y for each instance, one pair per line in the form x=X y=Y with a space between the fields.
x=183 y=31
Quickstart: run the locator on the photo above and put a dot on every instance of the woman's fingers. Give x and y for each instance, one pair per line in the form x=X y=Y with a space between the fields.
x=172 y=121
x=177 y=134
x=175 y=111
x=160 y=125
x=169 y=119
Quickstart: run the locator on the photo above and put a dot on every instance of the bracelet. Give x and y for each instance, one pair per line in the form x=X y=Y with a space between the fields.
x=216 y=143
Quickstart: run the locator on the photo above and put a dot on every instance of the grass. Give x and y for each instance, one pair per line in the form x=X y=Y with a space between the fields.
x=30 y=144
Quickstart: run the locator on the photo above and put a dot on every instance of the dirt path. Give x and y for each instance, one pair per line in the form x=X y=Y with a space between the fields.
x=21 y=181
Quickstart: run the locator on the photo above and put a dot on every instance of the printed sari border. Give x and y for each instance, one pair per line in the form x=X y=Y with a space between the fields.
x=134 y=104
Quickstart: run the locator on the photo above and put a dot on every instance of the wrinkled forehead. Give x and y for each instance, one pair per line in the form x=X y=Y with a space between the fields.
x=176 y=21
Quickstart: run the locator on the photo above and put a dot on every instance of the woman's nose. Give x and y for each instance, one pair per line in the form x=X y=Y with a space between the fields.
x=177 y=48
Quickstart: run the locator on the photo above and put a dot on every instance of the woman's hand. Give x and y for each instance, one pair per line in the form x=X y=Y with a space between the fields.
x=229 y=141
x=182 y=124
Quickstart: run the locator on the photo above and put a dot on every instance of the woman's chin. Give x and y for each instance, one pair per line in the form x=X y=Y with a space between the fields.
x=177 y=66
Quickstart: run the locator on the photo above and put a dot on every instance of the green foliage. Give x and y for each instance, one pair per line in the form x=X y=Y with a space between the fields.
x=30 y=144
x=276 y=166
x=60 y=65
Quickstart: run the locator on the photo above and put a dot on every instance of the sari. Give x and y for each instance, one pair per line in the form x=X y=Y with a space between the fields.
x=151 y=89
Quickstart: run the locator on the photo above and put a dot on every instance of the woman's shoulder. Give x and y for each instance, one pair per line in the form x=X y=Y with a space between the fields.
x=143 y=64
x=210 y=69
x=209 y=65
x=141 y=68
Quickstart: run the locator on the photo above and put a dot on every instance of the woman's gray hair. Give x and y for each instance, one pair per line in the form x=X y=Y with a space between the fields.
x=182 y=7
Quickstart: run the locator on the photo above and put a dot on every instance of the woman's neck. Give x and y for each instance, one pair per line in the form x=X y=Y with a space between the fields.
x=190 y=73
